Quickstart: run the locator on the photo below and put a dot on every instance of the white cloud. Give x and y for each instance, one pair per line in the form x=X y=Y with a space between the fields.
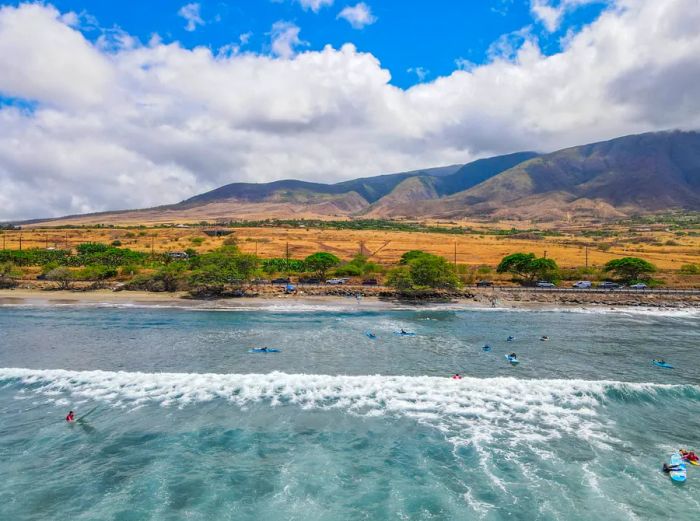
x=139 y=125
x=421 y=72
x=551 y=12
x=358 y=16
x=314 y=5
x=284 y=39
x=190 y=12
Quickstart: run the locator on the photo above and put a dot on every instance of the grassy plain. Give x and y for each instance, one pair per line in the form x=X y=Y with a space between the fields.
x=571 y=247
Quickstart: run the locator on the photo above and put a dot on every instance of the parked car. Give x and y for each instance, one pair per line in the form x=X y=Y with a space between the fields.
x=484 y=284
x=280 y=281
x=640 y=285
x=309 y=280
x=261 y=281
x=545 y=284
x=335 y=281
x=370 y=282
x=583 y=284
x=608 y=285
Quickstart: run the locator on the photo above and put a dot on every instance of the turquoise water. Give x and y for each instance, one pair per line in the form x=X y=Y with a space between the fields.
x=189 y=425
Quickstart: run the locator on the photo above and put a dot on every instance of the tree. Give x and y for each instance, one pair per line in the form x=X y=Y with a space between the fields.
x=8 y=273
x=424 y=271
x=411 y=255
x=321 y=262
x=400 y=278
x=62 y=275
x=630 y=269
x=433 y=272
x=527 y=266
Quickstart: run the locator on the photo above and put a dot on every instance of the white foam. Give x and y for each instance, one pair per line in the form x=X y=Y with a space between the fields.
x=471 y=410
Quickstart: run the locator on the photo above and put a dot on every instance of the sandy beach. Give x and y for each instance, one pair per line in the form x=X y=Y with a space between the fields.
x=476 y=299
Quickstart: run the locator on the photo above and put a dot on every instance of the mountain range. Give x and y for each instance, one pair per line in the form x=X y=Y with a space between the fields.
x=629 y=175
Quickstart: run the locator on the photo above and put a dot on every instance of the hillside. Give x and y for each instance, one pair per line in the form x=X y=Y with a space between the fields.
x=611 y=179
x=624 y=176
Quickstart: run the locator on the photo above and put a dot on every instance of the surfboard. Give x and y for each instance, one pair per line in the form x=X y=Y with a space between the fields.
x=260 y=350
x=662 y=364
x=680 y=474
x=512 y=360
x=404 y=334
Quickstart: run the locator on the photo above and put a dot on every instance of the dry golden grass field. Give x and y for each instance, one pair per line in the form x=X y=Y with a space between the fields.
x=663 y=248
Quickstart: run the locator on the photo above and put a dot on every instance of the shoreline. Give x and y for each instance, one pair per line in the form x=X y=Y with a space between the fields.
x=486 y=300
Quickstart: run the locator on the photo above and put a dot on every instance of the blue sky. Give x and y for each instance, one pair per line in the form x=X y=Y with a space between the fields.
x=110 y=105
x=413 y=39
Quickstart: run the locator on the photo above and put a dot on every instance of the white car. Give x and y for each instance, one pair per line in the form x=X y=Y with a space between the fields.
x=639 y=286
x=583 y=284
x=545 y=284
x=335 y=281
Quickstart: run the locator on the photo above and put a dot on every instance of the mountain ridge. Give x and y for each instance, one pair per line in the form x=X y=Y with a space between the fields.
x=636 y=174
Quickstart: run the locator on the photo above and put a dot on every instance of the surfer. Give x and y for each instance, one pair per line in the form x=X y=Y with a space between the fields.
x=688 y=455
x=513 y=356
x=457 y=376
x=670 y=468
x=403 y=332
x=510 y=339
x=264 y=349
x=544 y=338
x=70 y=417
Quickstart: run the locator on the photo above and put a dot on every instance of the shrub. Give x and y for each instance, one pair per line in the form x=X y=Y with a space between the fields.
x=197 y=241
x=62 y=275
x=690 y=269
x=116 y=243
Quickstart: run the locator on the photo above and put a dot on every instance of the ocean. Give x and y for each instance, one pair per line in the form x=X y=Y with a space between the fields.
x=183 y=422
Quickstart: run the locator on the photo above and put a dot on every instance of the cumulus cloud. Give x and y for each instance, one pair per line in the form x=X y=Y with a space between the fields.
x=421 y=72
x=358 y=16
x=134 y=125
x=551 y=12
x=314 y=5
x=190 y=12
x=285 y=38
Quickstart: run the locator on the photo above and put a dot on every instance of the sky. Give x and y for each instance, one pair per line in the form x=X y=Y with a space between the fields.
x=111 y=105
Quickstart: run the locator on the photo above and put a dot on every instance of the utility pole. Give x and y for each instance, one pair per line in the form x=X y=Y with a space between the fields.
x=586 y=255
x=46 y=238
x=455 y=256
x=153 y=240
x=256 y=247
x=20 y=242
x=545 y=254
x=286 y=255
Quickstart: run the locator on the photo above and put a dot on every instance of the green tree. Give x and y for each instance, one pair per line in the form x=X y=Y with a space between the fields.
x=630 y=269
x=411 y=255
x=8 y=275
x=433 y=271
x=62 y=275
x=424 y=271
x=170 y=276
x=321 y=262
x=400 y=278
x=527 y=266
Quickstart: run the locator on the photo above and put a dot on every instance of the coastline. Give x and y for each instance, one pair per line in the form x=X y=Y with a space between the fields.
x=483 y=300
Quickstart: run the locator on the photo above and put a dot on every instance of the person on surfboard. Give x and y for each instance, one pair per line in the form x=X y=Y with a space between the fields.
x=457 y=376
x=70 y=417
x=688 y=455
x=670 y=468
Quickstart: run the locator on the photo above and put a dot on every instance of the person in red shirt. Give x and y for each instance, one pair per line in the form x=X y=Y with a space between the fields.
x=70 y=417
